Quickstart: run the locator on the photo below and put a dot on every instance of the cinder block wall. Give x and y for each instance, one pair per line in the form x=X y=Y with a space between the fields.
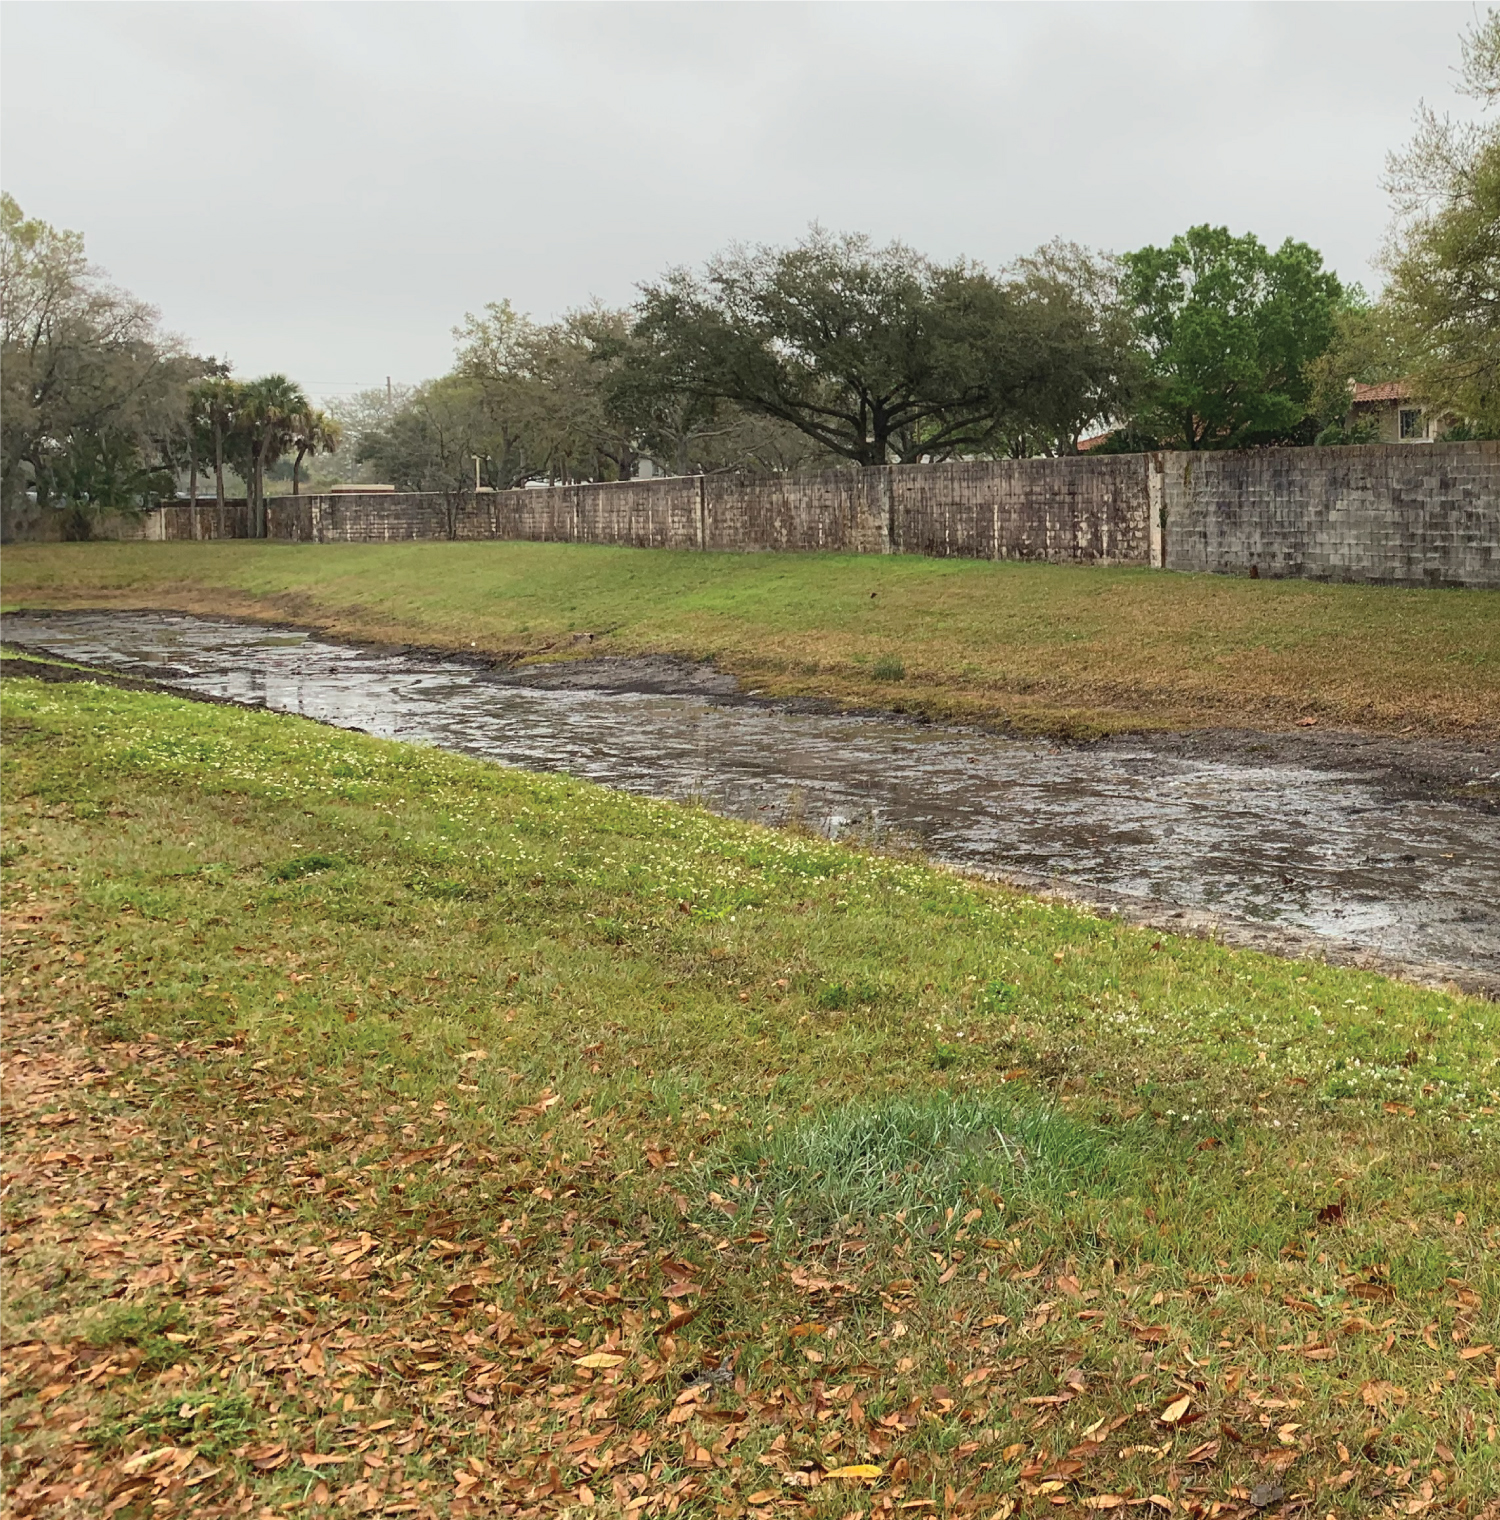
x=1080 y=510
x=1400 y=514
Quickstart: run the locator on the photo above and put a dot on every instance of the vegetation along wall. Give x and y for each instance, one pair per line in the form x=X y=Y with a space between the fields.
x=1408 y=514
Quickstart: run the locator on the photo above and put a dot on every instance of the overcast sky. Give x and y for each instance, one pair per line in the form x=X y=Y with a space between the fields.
x=324 y=189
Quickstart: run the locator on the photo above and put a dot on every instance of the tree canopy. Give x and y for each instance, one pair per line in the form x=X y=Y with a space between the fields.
x=832 y=350
x=1443 y=255
x=874 y=353
x=1228 y=330
x=92 y=393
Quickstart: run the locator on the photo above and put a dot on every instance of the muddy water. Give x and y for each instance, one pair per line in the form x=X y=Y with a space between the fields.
x=1336 y=851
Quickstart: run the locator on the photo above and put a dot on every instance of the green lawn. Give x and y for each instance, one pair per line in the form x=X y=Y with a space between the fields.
x=1038 y=647
x=384 y=1128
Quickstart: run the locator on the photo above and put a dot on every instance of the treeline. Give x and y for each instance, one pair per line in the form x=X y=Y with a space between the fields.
x=102 y=412
x=836 y=350
x=775 y=359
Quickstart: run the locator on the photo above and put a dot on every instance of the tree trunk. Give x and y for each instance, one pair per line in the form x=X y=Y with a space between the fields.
x=193 y=486
x=296 y=468
x=219 y=477
x=260 y=485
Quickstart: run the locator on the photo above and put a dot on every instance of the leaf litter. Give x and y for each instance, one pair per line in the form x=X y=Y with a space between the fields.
x=243 y=1280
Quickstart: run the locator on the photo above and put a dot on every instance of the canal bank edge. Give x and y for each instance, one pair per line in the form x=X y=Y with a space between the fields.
x=36 y=663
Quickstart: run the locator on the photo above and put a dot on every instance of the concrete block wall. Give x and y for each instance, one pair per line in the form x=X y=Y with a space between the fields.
x=1079 y=510
x=841 y=511
x=1398 y=514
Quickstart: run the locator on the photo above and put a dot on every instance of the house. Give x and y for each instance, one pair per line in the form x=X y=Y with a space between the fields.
x=1400 y=418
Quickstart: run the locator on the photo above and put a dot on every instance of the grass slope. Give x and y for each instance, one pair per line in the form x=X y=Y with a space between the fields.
x=1043 y=648
x=390 y=1132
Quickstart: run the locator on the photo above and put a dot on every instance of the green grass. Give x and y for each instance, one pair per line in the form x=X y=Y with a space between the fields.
x=395 y=1085
x=1045 y=648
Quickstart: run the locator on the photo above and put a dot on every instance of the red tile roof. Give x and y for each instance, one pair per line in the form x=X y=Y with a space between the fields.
x=1387 y=390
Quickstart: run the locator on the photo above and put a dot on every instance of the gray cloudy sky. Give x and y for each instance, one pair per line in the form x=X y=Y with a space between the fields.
x=325 y=188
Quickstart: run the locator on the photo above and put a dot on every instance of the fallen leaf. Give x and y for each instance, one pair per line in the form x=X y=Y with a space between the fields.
x=859 y=1470
x=1176 y=1409
x=600 y=1359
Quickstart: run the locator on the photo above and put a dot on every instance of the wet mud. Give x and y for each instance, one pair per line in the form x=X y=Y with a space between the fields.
x=1380 y=852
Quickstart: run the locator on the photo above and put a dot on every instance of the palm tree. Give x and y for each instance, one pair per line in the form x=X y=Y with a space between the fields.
x=314 y=432
x=214 y=406
x=271 y=407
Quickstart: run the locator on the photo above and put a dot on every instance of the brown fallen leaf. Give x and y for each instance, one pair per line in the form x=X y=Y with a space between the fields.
x=537 y=1109
x=1176 y=1409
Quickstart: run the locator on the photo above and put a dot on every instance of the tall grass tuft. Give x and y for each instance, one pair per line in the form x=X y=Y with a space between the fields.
x=919 y=1157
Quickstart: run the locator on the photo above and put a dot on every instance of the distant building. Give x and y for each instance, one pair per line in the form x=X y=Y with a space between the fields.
x=1400 y=418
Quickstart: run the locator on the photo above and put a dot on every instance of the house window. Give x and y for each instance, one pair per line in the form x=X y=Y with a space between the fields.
x=1411 y=423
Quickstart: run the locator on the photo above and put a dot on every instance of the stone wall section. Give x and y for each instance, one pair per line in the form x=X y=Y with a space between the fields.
x=1080 y=510
x=841 y=511
x=1397 y=514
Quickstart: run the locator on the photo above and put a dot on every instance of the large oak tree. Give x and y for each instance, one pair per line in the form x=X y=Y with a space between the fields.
x=874 y=353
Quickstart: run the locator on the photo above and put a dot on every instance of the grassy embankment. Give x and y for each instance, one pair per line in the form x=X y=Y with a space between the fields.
x=391 y=1132
x=1041 y=648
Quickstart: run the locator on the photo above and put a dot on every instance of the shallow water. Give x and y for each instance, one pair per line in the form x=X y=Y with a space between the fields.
x=1335 y=852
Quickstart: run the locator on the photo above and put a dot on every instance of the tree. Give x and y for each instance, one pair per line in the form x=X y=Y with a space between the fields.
x=214 y=407
x=1090 y=372
x=362 y=415
x=432 y=442
x=313 y=432
x=265 y=425
x=1443 y=254
x=495 y=357
x=546 y=390
x=93 y=394
x=870 y=352
x=1368 y=346
x=1229 y=330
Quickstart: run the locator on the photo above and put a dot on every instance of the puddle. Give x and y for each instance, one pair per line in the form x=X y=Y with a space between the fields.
x=1333 y=851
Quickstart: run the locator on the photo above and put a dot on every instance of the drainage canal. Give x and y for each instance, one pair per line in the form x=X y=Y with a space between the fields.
x=1282 y=840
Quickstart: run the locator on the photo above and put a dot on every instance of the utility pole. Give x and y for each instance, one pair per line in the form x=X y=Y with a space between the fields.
x=388 y=400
